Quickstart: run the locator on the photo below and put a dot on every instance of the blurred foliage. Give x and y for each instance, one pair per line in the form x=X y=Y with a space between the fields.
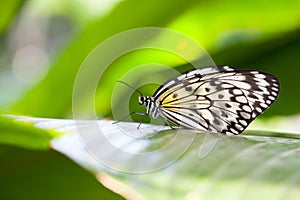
x=27 y=174
x=243 y=40
x=8 y=11
x=56 y=88
x=262 y=35
x=24 y=135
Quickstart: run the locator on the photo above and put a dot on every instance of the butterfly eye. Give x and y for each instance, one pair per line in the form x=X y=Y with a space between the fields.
x=141 y=100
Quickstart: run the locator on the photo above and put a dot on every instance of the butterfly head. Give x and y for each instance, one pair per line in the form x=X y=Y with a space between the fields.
x=149 y=103
x=142 y=100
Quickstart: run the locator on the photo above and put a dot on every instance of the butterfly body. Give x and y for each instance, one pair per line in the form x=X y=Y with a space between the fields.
x=216 y=99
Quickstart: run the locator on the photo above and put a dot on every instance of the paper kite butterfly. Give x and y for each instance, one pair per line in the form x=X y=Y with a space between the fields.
x=218 y=99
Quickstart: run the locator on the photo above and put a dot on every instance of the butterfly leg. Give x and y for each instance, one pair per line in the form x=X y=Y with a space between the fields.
x=121 y=120
x=142 y=119
x=134 y=112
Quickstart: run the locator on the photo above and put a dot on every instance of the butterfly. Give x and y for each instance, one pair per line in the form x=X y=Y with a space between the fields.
x=219 y=99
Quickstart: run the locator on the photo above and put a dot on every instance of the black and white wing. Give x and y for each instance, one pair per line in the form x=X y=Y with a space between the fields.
x=217 y=99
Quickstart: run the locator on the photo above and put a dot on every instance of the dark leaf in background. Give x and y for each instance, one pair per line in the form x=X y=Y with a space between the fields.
x=27 y=174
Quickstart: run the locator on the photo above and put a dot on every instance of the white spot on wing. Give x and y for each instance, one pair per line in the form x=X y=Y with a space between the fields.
x=258 y=109
x=227 y=86
x=238 y=127
x=243 y=122
x=239 y=84
x=241 y=99
x=245 y=115
x=263 y=105
x=247 y=108
x=271 y=98
x=236 y=91
x=234 y=131
x=260 y=76
x=274 y=88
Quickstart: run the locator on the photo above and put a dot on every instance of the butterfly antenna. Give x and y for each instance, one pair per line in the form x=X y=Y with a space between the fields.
x=134 y=89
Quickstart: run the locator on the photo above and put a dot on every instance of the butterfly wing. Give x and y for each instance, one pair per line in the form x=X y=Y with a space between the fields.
x=217 y=99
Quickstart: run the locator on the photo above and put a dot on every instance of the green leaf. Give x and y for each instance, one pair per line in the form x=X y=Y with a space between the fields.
x=35 y=175
x=220 y=24
x=161 y=163
x=24 y=134
x=8 y=10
